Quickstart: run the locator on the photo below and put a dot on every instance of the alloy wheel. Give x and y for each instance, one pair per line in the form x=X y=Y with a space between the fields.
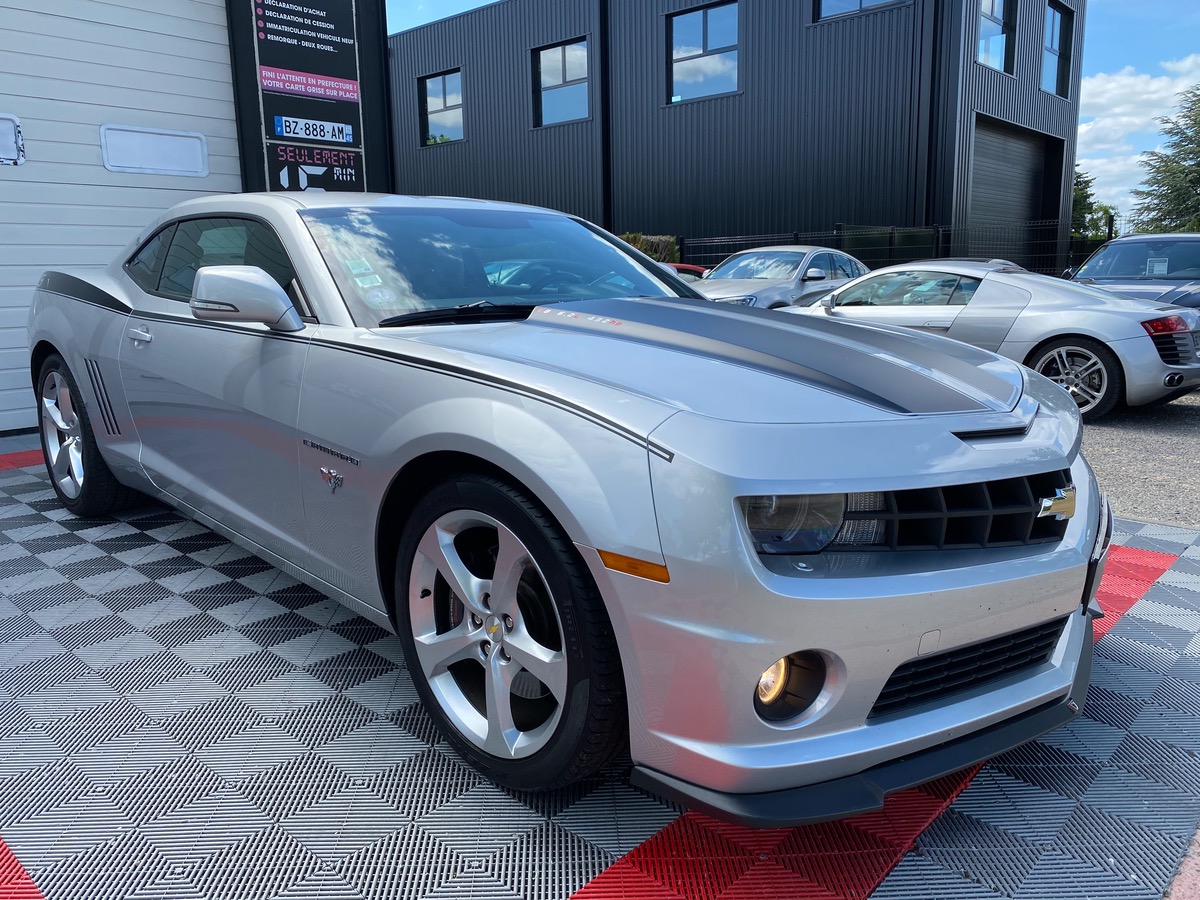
x=487 y=634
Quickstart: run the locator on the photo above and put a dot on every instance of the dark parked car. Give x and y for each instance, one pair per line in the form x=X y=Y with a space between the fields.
x=1161 y=267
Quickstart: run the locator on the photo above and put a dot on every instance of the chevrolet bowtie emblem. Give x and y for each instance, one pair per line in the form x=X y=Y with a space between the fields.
x=334 y=480
x=1061 y=505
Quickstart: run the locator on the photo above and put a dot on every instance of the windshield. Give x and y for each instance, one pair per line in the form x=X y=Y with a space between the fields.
x=388 y=261
x=1160 y=258
x=773 y=265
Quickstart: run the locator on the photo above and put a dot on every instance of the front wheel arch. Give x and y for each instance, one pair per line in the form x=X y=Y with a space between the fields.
x=407 y=488
x=555 y=625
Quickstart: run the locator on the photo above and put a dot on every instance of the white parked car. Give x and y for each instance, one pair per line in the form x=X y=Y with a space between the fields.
x=1105 y=349
x=775 y=277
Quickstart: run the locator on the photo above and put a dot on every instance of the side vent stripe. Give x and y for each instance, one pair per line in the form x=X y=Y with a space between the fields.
x=106 y=410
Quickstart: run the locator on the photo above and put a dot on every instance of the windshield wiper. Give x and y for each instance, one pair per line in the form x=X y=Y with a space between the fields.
x=480 y=311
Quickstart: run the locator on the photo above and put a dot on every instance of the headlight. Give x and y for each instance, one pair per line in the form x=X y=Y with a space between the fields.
x=739 y=301
x=803 y=523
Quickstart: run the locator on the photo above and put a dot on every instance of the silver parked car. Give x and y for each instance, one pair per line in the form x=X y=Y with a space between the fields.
x=1160 y=267
x=543 y=485
x=775 y=277
x=1103 y=348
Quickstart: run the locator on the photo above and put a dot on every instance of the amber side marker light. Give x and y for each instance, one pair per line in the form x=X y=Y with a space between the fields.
x=639 y=567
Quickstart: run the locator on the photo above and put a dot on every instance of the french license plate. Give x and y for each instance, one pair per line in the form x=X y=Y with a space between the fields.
x=314 y=130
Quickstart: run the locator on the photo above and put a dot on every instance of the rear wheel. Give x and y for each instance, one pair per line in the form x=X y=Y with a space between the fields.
x=81 y=479
x=507 y=639
x=1087 y=369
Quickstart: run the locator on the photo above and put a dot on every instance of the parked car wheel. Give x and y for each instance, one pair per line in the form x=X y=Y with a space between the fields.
x=1087 y=369
x=507 y=639
x=81 y=479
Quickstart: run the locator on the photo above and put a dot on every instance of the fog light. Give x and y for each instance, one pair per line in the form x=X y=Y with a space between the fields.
x=772 y=682
x=790 y=686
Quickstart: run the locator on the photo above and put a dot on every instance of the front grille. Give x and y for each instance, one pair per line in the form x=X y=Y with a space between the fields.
x=936 y=677
x=1175 y=349
x=985 y=514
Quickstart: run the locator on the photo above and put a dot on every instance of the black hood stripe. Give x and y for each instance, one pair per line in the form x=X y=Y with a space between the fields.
x=78 y=289
x=886 y=369
x=503 y=384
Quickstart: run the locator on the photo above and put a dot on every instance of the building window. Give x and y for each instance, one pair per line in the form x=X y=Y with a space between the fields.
x=996 y=42
x=1056 y=55
x=703 y=52
x=441 y=115
x=560 y=83
x=828 y=8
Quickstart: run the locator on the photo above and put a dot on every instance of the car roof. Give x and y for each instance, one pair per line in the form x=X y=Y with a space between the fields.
x=1147 y=236
x=294 y=200
x=798 y=248
x=954 y=266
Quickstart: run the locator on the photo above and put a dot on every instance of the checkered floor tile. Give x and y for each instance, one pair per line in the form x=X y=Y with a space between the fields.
x=179 y=719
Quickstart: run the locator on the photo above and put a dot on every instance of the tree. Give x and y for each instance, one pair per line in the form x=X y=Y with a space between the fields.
x=1089 y=217
x=1169 y=199
x=1083 y=202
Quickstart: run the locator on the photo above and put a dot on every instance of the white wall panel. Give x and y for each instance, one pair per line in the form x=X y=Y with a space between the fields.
x=68 y=67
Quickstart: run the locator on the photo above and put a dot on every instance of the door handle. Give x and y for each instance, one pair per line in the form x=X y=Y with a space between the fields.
x=139 y=334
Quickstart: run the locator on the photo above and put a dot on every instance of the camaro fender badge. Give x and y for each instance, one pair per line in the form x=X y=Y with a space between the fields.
x=1061 y=505
x=331 y=478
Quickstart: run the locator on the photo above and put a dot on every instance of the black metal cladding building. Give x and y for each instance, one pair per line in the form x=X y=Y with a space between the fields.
x=746 y=117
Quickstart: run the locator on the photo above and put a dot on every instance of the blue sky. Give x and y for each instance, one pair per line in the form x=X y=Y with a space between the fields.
x=1136 y=57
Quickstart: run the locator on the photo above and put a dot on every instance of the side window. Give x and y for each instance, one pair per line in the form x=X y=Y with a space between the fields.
x=146 y=264
x=822 y=261
x=964 y=292
x=901 y=289
x=866 y=294
x=221 y=242
x=843 y=267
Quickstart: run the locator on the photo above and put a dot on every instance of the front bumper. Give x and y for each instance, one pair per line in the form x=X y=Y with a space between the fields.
x=866 y=791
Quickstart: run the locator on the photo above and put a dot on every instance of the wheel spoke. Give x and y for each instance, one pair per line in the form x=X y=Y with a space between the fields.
x=1064 y=362
x=502 y=732
x=437 y=545
x=512 y=559
x=52 y=407
x=437 y=652
x=75 y=461
x=60 y=463
x=1088 y=394
x=546 y=665
x=1089 y=367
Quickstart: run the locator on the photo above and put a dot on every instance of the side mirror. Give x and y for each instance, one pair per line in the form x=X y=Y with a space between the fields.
x=815 y=274
x=1070 y=273
x=242 y=294
x=827 y=301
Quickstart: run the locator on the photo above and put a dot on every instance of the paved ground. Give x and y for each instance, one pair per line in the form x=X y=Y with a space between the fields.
x=1148 y=459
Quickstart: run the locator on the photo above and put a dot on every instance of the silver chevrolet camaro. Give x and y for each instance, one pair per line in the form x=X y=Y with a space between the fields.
x=789 y=564
x=1103 y=348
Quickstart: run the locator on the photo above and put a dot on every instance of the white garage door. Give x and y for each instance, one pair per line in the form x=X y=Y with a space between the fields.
x=124 y=108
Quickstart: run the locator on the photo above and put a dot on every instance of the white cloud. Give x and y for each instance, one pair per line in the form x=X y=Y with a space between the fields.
x=1119 y=113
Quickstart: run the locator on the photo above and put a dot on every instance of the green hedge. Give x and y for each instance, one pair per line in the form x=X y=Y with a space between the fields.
x=662 y=247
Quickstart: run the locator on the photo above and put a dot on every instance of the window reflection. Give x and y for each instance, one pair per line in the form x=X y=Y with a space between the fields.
x=561 y=78
x=704 y=52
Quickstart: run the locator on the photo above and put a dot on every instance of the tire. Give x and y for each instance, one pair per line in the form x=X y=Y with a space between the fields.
x=520 y=673
x=1086 y=369
x=81 y=478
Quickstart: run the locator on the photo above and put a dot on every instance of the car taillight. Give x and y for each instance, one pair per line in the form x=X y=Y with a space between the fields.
x=1165 y=325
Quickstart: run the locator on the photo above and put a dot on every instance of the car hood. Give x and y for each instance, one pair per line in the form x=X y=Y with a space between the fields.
x=723 y=288
x=724 y=362
x=1182 y=293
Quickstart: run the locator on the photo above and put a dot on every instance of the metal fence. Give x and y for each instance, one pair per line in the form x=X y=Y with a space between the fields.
x=1037 y=246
